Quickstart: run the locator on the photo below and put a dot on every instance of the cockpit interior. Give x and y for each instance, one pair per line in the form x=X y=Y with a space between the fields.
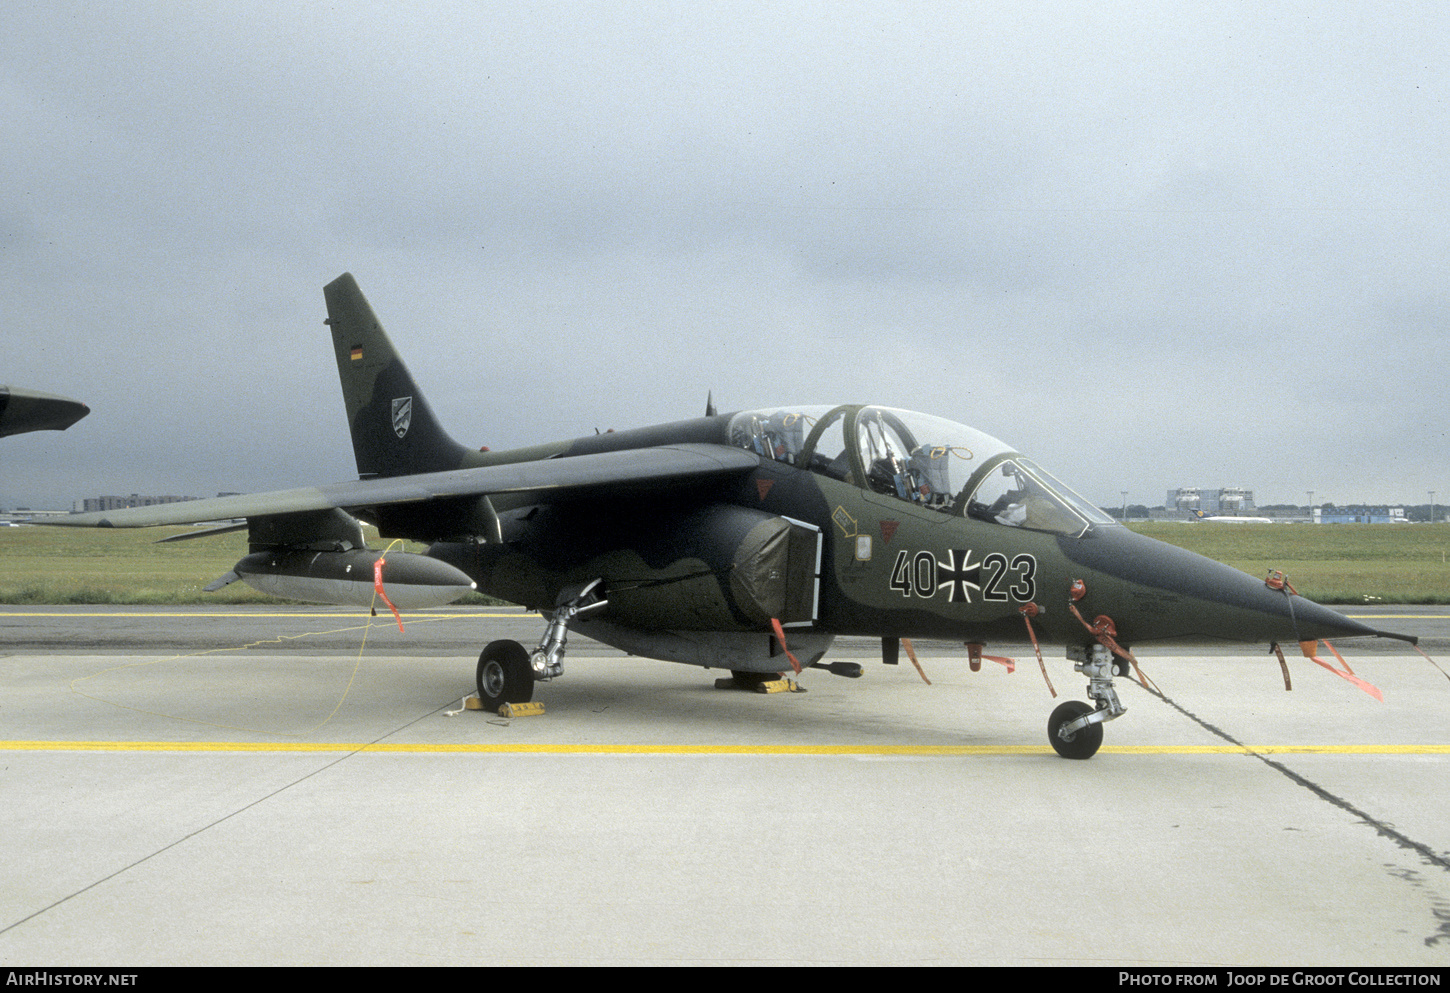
x=923 y=460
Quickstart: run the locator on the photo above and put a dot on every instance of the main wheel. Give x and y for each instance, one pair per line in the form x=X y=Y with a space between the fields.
x=504 y=675
x=1082 y=745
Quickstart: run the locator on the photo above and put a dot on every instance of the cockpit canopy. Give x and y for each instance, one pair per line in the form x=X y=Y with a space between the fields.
x=927 y=461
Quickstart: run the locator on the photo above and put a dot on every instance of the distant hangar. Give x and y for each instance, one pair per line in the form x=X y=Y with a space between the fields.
x=1231 y=501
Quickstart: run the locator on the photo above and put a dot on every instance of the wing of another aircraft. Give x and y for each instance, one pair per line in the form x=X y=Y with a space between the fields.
x=601 y=474
x=31 y=410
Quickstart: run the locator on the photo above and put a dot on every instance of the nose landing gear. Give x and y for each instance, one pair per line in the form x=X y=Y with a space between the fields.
x=1075 y=728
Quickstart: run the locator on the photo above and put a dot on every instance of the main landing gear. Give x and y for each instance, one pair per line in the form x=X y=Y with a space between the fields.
x=1076 y=728
x=507 y=671
x=504 y=675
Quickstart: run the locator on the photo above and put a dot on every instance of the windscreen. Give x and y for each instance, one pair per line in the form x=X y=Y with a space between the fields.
x=1019 y=493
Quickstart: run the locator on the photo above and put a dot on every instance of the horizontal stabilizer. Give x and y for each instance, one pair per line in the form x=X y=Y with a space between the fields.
x=202 y=533
x=220 y=582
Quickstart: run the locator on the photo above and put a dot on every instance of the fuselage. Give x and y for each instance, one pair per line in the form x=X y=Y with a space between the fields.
x=868 y=521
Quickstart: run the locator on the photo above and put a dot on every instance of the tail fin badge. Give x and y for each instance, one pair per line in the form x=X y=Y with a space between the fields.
x=402 y=415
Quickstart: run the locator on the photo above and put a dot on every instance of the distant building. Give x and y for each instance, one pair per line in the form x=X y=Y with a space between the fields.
x=1230 y=501
x=1360 y=515
x=92 y=504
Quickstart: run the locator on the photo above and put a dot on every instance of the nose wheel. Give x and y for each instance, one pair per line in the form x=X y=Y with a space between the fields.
x=1081 y=744
x=1076 y=728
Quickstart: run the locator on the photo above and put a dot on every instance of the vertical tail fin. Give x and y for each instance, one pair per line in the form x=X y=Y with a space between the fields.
x=394 y=432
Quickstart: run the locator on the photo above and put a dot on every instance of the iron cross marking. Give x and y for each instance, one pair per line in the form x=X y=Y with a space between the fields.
x=960 y=576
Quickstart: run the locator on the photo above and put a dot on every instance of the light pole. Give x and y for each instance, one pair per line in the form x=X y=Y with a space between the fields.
x=1311 y=505
x=1125 y=506
x=1432 y=506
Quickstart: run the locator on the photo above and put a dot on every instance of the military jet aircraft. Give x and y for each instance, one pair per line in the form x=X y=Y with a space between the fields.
x=745 y=541
x=31 y=410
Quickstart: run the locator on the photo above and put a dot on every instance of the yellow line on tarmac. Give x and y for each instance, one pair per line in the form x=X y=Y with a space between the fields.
x=565 y=749
x=1399 y=617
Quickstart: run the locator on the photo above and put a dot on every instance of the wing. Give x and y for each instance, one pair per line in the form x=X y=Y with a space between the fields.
x=30 y=410
x=606 y=473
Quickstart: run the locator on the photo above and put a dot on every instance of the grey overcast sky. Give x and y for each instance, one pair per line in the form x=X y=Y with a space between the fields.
x=1150 y=244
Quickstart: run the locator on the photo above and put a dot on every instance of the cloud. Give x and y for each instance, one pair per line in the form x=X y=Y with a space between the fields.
x=1153 y=246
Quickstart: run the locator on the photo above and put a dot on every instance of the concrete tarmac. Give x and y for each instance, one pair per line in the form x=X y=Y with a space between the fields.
x=179 y=791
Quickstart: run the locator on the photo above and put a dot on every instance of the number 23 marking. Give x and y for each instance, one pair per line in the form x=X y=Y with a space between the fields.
x=1025 y=568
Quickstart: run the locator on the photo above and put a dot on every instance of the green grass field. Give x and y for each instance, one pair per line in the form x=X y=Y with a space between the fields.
x=1331 y=563
x=40 y=565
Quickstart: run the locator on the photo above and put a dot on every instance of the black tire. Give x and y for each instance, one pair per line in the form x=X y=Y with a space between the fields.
x=1082 y=745
x=504 y=675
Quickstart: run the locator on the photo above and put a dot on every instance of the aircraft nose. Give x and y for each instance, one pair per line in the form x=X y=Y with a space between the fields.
x=1315 y=620
x=1156 y=591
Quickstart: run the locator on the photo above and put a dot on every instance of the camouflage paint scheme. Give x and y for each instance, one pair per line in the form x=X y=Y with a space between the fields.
x=704 y=532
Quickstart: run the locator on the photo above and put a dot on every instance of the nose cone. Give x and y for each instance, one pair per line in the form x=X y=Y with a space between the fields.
x=1154 y=591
